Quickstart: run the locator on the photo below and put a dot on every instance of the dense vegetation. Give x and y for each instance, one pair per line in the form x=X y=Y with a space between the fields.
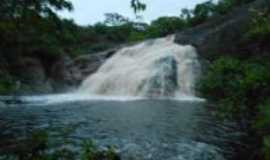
x=240 y=86
x=33 y=27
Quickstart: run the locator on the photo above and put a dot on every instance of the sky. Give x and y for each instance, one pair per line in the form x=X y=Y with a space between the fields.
x=91 y=11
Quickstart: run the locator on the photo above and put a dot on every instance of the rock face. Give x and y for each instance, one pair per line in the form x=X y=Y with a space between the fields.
x=84 y=65
x=163 y=81
x=34 y=75
x=60 y=75
x=67 y=73
x=31 y=76
x=223 y=34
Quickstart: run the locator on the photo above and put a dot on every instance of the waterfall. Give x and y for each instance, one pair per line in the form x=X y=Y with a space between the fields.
x=153 y=68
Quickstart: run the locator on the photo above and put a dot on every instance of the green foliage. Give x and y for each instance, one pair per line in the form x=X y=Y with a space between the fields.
x=33 y=27
x=237 y=85
x=6 y=85
x=202 y=12
x=206 y=10
x=266 y=147
x=260 y=27
x=262 y=125
x=136 y=36
x=263 y=119
x=90 y=152
x=115 y=19
x=240 y=88
x=29 y=27
x=164 y=26
x=137 y=5
x=38 y=148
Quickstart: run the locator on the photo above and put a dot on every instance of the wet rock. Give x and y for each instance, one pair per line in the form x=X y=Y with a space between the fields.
x=60 y=75
x=163 y=81
x=32 y=76
x=84 y=65
x=6 y=100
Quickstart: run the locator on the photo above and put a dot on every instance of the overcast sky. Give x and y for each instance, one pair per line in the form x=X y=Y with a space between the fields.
x=92 y=11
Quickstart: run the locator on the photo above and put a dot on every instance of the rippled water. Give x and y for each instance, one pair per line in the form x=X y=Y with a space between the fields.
x=139 y=129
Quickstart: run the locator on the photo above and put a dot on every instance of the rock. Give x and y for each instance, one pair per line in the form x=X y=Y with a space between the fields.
x=66 y=73
x=6 y=100
x=222 y=34
x=32 y=76
x=60 y=74
x=163 y=81
x=84 y=65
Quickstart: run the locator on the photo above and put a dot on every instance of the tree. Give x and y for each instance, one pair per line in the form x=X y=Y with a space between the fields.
x=30 y=25
x=115 y=19
x=165 y=25
x=137 y=5
x=43 y=8
x=202 y=12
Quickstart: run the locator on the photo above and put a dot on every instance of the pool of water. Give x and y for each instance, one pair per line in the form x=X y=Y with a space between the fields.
x=143 y=129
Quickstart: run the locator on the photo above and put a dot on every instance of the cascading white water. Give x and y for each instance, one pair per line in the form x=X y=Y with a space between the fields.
x=153 y=68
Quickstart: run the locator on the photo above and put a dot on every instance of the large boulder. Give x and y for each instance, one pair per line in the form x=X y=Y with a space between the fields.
x=222 y=34
x=85 y=65
x=31 y=76
x=163 y=80
x=60 y=75
x=67 y=73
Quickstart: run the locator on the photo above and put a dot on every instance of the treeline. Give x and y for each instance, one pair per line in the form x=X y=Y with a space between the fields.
x=33 y=27
x=117 y=29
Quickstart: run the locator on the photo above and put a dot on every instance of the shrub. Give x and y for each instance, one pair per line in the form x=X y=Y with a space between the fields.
x=259 y=29
x=262 y=125
x=90 y=152
x=237 y=85
x=6 y=85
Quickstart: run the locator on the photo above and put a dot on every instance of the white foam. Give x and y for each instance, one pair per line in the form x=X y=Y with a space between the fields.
x=130 y=68
x=75 y=97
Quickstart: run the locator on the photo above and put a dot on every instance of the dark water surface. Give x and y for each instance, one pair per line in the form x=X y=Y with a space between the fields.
x=142 y=129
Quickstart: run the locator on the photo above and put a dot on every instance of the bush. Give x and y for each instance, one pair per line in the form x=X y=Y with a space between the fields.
x=262 y=125
x=6 y=85
x=237 y=85
x=90 y=152
x=260 y=27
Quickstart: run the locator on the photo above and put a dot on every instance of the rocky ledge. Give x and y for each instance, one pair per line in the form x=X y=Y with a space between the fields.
x=223 y=34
